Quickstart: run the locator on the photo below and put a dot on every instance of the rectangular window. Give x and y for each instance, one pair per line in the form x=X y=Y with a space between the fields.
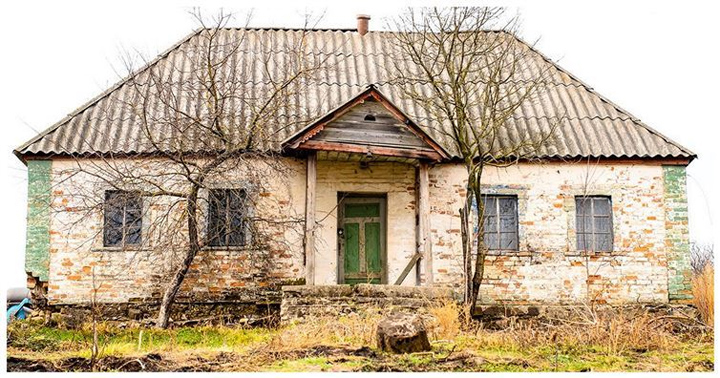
x=594 y=223
x=123 y=218
x=226 y=220
x=501 y=223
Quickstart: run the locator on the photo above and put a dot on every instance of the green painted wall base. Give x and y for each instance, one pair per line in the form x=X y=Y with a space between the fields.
x=37 y=247
x=677 y=234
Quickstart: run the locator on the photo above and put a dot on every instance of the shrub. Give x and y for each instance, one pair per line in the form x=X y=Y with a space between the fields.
x=703 y=293
x=701 y=255
x=354 y=329
x=449 y=319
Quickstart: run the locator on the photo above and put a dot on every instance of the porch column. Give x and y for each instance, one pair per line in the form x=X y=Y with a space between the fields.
x=424 y=242
x=309 y=241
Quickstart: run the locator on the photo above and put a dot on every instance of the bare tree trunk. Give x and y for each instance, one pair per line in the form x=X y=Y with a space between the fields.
x=477 y=277
x=466 y=236
x=179 y=276
x=474 y=187
x=95 y=348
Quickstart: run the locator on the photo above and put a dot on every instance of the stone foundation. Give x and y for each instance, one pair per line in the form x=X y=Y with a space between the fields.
x=183 y=313
x=497 y=312
x=250 y=306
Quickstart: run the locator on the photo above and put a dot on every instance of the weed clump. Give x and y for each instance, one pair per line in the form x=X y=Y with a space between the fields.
x=704 y=293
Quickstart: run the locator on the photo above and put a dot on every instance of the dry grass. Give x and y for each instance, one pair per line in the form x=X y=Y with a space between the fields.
x=355 y=329
x=449 y=319
x=609 y=331
x=704 y=294
x=586 y=339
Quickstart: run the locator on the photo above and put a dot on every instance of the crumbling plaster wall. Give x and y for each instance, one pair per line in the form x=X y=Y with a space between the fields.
x=79 y=264
x=648 y=262
x=548 y=268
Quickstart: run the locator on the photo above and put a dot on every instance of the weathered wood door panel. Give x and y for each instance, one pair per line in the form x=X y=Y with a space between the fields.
x=361 y=236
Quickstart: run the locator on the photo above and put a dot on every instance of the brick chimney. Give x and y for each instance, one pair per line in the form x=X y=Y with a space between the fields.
x=362 y=23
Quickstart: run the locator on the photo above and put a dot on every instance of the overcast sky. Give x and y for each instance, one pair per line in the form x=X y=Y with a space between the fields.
x=658 y=61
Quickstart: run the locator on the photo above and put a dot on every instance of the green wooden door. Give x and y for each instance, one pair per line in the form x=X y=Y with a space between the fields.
x=362 y=240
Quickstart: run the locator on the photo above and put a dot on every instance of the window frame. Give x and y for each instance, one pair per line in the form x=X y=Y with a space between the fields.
x=242 y=236
x=124 y=227
x=498 y=229
x=593 y=215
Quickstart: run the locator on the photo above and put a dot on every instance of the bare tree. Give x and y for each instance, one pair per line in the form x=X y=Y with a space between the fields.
x=206 y=124
x=701 y=255
x=471 y=81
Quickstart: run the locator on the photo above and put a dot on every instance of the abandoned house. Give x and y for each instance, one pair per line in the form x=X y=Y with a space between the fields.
x=356 y=184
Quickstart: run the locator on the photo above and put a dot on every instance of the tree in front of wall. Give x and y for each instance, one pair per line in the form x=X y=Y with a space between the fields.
x=467 y=70
x=208 y=126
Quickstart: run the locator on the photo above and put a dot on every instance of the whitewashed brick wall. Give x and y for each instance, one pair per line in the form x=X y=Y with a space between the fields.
x=547 y=268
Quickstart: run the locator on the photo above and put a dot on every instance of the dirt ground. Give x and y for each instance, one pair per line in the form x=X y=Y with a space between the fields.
x=324 y=358
x=319 y=358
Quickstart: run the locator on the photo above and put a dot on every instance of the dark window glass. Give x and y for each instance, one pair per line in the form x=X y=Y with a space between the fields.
x=500 y=223
x=123 y=218
x=226 y=223
x=594 y=223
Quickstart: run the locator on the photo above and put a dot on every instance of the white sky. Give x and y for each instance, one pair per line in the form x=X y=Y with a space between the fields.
x=659 y=61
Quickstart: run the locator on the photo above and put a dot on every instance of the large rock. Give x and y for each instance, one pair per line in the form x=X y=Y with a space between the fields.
x=402 y=333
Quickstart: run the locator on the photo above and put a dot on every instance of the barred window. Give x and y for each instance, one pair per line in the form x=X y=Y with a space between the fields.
x=226 y=223
x=501 y=223
x=123 y=218
x=594 y=223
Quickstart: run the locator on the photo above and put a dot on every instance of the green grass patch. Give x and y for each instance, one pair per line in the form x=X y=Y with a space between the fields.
x=118 y=341
x=302 y=364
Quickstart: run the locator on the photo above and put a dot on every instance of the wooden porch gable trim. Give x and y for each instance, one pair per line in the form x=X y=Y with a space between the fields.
x=302 y=139
x=385 y=151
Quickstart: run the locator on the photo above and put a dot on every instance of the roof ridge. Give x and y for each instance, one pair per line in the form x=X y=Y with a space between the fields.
x=590 y=89
x=330 y=29
x=105 y=93
x=282 y=28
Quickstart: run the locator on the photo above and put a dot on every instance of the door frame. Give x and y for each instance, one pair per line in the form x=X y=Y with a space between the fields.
x=350 y=197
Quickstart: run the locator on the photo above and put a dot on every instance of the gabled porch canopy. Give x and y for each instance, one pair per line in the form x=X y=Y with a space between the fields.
x=369 y=127
x=367 y=124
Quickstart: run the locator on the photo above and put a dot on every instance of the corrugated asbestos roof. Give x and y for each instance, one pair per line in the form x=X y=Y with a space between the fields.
x=592 y=127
